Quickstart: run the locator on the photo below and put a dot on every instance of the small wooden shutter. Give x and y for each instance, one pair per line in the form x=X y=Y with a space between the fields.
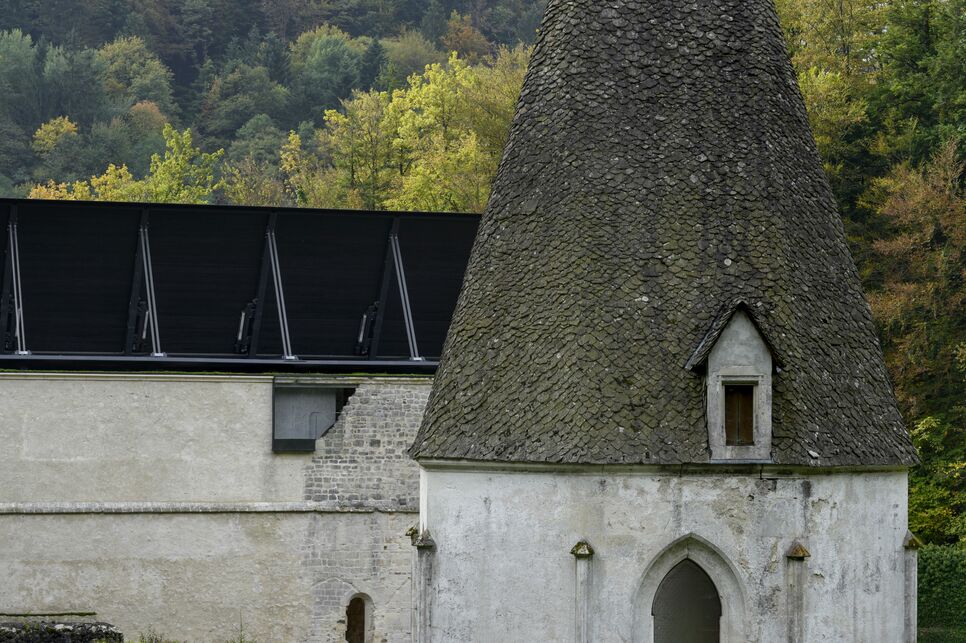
x=740 y=414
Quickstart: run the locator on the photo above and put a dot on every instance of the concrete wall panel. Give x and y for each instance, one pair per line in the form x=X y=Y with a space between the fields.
x=283 y=577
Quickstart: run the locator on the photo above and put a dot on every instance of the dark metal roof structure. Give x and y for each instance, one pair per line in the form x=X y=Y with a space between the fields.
x=161 y=287
x=660 y=166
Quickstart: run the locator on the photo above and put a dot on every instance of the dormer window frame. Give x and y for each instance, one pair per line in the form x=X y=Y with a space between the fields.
x=760 y=449
x=736 y=352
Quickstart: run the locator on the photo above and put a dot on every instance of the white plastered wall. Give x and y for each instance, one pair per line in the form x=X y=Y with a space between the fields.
x=156 y=501
x=503 y=569
x=108 y=438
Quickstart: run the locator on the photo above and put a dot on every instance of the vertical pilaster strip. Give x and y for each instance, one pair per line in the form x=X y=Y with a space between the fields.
x=422 y=581
x=911 y=545
x=413 y=533
x=795 y=575
x=584 y=555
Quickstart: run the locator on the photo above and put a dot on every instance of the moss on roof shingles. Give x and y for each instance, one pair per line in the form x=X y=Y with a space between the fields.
x=660 y=165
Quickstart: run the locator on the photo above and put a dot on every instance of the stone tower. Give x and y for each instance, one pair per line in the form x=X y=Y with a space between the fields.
x=662 y=412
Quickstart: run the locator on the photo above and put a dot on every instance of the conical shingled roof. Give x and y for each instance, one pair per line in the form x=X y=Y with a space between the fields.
x=660 y=168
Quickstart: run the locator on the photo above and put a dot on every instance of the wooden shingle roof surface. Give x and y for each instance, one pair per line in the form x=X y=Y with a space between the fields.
x=660 y=167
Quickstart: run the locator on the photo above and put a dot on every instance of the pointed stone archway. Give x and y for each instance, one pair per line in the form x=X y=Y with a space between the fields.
x=691 y=565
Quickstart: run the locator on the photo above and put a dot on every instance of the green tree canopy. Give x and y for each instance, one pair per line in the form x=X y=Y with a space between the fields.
x=325 y=67
x=235 y=98
x=184 y=174
x=133 y=74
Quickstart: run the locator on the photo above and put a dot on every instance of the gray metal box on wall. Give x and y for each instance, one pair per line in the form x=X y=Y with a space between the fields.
x=304 y=413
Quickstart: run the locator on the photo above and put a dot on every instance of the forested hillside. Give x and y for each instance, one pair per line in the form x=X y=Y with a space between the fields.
x=405 y=104
x=88 y=83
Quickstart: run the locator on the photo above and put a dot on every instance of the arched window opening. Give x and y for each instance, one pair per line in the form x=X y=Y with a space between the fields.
x=357 y=617
x=687 y=608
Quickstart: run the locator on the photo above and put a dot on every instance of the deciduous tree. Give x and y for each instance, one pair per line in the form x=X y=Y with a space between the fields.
x=184 y=174
x=133 y=74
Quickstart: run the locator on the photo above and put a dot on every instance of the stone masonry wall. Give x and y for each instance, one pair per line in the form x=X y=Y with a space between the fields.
x=361 y=464
x=362 y=461
x=359 y=554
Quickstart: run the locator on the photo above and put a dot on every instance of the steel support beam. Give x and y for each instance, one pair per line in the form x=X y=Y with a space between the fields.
x=262 y=290
x=387 y=272
x=277 y=284
x=13 y=292
x=152 y=312
x=404 y=298
x=7 y=320
x=135 y=308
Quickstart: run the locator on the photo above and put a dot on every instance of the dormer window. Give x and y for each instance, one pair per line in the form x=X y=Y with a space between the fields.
x=738 y=368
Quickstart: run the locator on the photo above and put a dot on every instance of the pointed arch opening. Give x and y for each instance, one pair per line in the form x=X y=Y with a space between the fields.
x=691 y=579
x=686 y=607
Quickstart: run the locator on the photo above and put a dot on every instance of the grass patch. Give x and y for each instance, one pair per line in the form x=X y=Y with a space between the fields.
x=942 y=635
x=153 y=637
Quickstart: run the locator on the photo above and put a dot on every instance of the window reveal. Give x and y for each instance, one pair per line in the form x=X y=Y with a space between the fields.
x=356 y=620
x=303 y=413
x=740 y=415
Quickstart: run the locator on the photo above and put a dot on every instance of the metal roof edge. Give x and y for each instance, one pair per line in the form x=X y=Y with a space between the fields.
x=216 y=207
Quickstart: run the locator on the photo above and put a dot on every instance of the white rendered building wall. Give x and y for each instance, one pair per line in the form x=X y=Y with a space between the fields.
x=503 y=569
x=156 y=502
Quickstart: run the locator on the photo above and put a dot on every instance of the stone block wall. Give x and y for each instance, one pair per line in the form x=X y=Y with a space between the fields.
x=362 y=461
x=364 y=554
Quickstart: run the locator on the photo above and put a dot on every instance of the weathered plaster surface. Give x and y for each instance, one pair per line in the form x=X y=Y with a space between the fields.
x=285 y=577
x=186 y=576
x=156 y=501
x=165 y=440
x=503 y=569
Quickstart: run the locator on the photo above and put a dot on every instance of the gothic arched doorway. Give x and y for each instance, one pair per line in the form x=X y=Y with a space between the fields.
x=687 y=608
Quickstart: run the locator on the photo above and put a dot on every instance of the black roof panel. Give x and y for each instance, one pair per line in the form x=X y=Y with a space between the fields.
x=84 y=293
